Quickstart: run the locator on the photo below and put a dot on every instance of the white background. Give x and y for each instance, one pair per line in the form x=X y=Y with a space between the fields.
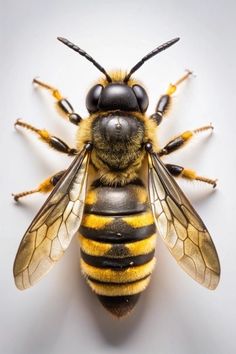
x=175 y=315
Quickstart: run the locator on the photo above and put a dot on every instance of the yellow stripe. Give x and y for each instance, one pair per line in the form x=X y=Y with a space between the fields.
x=119 y=290
x=96 y=221
x=142 y=247
x=93 y=248
x=91 y=197
x=139 y=220
x=137 y=248
x=119 y=276
x=141 y=194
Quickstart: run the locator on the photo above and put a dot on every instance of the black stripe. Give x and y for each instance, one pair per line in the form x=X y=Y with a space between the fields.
x=117 y=263
x=118 y=232
x=101 y=183
x=93 y=209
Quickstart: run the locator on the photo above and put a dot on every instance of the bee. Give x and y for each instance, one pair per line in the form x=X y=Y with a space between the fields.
x=117 y=194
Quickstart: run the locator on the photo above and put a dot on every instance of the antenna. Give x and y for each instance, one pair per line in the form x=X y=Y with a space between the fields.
x=86 y=55
x=150 y=55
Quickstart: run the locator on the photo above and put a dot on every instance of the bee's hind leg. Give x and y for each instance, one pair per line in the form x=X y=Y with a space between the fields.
x=165 y=100
x=62 y=102
x=180 y=140
x=45 y=187
x=179 y=171
x=45 y=136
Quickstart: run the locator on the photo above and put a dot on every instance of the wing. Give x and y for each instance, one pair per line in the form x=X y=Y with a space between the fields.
x=51 y=231
x=181 y=227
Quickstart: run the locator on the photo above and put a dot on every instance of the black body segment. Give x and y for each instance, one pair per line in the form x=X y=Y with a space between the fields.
x=117 y=239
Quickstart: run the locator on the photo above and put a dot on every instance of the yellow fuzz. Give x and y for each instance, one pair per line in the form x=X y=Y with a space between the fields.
x=93 y=248
x=96 y=221
x=84 y=135
x=118 y=76
x=141 y=194
x=142 y=219
x=119 y=290
x=91 y=197
x=142 y=247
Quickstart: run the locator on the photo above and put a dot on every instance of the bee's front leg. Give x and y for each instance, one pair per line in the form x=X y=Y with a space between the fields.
x=165 y=100
x=62 y=102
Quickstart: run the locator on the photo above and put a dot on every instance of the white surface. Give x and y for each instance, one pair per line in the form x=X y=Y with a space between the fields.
x=175 y=315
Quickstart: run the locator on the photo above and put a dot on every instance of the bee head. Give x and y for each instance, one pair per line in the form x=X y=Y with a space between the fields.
x=117 y=95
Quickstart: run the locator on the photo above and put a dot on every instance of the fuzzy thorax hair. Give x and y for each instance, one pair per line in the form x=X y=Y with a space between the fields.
x=131 y=159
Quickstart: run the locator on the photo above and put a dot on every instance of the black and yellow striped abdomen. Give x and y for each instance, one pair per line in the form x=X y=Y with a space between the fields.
x=117 y=240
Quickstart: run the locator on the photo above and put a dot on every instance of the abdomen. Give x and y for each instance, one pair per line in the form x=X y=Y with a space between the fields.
x=117 y=240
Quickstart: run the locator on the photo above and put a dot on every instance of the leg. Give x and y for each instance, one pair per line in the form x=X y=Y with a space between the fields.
x=179 y=171
x=62 y=102
x=181 y=140
x=164 y=101
x=46 y=186
x=52 y=141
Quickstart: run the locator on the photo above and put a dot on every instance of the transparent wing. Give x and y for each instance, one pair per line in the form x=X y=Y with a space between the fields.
x=181 y=227
x=51 y=231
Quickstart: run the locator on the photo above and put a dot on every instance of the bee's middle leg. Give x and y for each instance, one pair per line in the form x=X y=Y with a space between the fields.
x=44 y=187
x=45 y=136
x=180 y=140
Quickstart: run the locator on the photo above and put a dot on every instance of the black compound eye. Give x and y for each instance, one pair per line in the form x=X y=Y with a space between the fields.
x=141 y=96
x=92 y=98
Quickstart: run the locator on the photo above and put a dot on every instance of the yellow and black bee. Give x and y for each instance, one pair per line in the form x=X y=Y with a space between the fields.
x=103 y=194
